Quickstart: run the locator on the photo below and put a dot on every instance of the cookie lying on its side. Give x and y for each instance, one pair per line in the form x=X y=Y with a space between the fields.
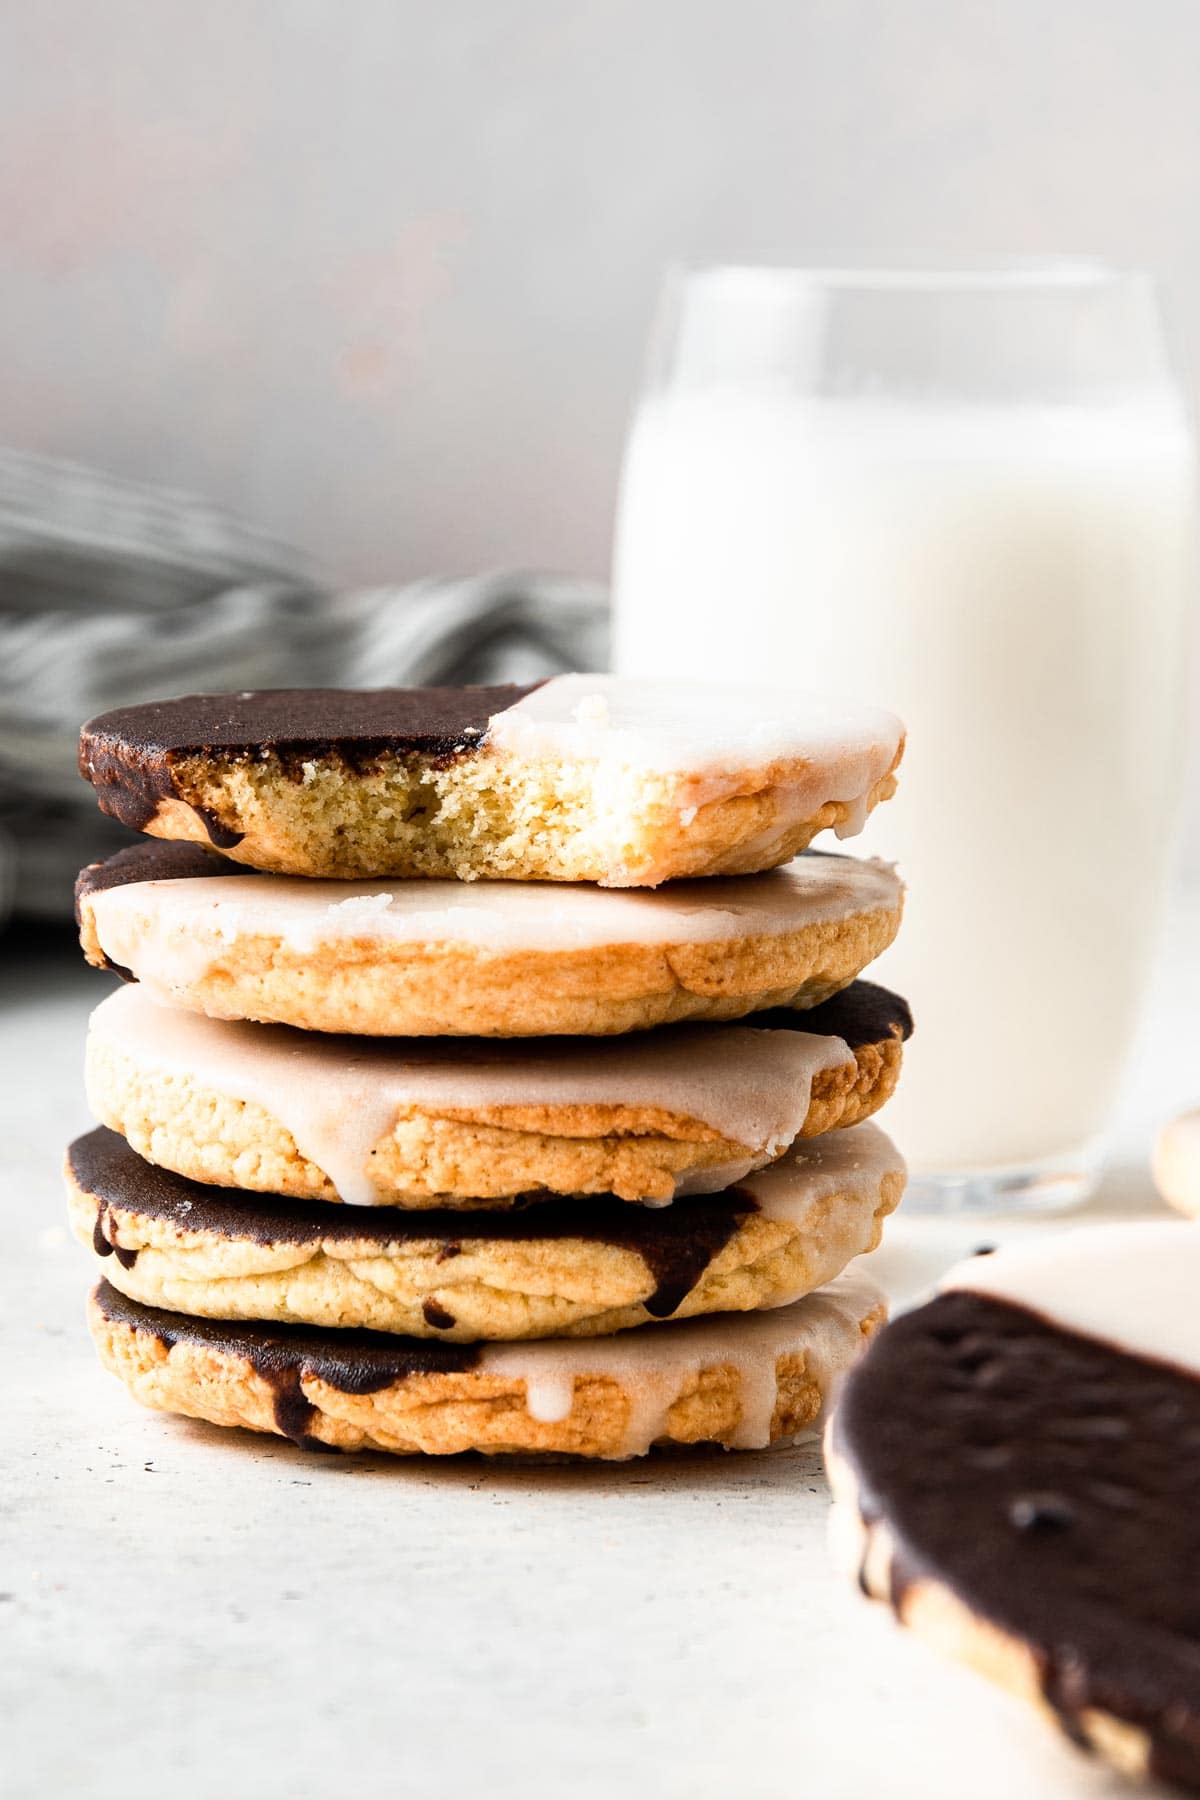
x=496 y=959
x=555 y=1268
x=1017 y=1465
x=420 y=1123
x=1177 y=1163
x=744 y=1382
x=579 y=778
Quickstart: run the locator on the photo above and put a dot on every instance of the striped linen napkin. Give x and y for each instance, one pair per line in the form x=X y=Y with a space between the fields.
x=111 y=592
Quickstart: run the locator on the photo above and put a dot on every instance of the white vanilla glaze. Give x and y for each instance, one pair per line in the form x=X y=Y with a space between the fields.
x=169 y=933
x=1177 y=1163
x=339 y=1096
x=654 y=1367
x=711 y=735
x=1133 y=1286
x=854 y=1162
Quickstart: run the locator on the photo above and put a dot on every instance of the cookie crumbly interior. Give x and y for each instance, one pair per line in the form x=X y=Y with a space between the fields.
x=489 y=816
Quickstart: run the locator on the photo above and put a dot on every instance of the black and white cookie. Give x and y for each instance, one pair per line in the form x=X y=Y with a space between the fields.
x=554 y=1268
x=579 y=778
x=1017 y=1466
x=746 y=1381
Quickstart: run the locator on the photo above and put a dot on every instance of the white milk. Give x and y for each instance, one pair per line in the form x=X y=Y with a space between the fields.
x=1014 y=582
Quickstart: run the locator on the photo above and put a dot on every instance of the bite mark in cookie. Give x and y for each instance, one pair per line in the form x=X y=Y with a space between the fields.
x=580 y=778
x=138 y=756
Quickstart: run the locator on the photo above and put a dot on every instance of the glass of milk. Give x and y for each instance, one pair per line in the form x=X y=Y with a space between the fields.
x=967 y=496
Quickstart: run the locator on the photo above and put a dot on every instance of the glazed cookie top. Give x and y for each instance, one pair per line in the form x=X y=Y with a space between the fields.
x=176 y=895
x=338 y=1097
x=1055 y=1389
x=704 y=732
x=700 y=728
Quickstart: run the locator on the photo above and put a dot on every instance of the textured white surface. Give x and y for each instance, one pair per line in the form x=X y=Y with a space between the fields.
x=201 y=1614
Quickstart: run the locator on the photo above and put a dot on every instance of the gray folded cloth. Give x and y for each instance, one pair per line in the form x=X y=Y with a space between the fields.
x=112 y=593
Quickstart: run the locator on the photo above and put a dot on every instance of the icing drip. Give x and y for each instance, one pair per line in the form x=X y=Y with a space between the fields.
x=549 y=1397
x=854 y=1161
x=339 y=1097
x=655 y=1371
x=713 y=1180
x=855 y=819
x=104 y=1242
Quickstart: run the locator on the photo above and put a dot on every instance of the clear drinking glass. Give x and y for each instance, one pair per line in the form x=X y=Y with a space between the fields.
x=967 y=496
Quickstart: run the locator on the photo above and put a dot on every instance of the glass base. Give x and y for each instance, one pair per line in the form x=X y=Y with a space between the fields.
x=1053 y=1186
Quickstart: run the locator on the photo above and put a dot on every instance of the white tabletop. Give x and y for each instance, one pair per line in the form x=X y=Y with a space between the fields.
x=204 y=1614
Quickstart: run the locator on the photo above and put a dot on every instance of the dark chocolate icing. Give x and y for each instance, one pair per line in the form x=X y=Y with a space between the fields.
x=863 y=1013
x=676 y=1243
x=354 y=1362
x=155 y=859
x=1050 y=1481
x=130 y=755
x=437 y=1315
x=102 y=1242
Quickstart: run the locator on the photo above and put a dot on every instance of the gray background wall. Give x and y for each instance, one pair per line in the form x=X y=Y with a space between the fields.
x=377 y=273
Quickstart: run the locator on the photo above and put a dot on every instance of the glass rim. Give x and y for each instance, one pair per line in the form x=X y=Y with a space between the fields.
x=921 y=275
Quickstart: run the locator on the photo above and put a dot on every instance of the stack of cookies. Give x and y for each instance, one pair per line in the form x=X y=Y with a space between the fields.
x=491 y=1071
